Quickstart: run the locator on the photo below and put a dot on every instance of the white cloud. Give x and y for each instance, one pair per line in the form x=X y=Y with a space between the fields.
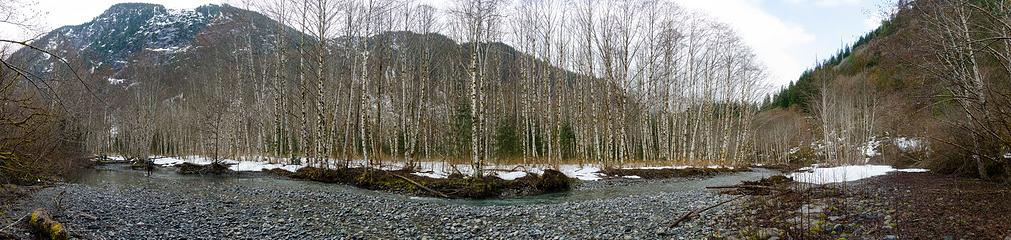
x=770 y=37
x=62 y=12
x=872 y=22
x=830 y=3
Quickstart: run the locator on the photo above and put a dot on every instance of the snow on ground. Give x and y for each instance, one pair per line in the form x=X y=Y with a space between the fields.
x=115 y=81
x=425 y=169
x=236 y=165
x=247 y=166
x=585 y=173
x=908 y=143
x=505 y=172
x=870 y=149
x=840 y=174
x=427 y=174
x=510 y=175
x=168 y=161
x=667 y=167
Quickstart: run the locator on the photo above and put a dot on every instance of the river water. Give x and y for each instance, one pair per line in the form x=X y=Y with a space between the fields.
x=120 y=175
x=114 y=202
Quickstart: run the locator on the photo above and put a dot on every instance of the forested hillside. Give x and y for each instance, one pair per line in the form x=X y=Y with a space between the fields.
x=926 y=88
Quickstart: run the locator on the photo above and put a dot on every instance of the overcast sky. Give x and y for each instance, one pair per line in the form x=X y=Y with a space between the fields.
x=788 y=35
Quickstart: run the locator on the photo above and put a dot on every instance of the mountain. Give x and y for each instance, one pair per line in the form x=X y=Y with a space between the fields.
x=135 y=43
x=132 y=43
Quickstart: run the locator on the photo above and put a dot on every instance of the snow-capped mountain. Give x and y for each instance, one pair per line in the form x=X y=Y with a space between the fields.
x=124 y=30
x=118 y=45
x=174 y=54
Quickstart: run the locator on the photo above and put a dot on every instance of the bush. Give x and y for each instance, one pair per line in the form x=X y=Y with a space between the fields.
x=553 y=181
x=39 y=152
x=213 y=168
x=473 y=188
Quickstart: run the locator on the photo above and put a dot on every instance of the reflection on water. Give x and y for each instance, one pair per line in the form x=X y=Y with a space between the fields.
x=120 y=175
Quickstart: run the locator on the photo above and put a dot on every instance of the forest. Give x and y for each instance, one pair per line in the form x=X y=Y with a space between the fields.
x=524 y=119
x=373 y=81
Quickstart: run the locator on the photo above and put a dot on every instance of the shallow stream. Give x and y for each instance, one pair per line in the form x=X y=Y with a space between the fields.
x=121 y=175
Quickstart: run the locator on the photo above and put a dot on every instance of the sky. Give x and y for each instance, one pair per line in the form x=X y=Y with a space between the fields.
x=787 y=35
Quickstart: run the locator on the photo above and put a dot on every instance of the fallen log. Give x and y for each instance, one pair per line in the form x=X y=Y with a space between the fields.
x=420 y=185
x=750 y=187
x=692 y=214
x=45 y=227
x=4 y=229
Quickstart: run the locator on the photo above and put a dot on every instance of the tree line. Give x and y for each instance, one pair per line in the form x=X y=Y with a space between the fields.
x=611 y=83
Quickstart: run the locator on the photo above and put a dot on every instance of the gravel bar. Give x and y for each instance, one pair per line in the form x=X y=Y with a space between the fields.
x=123 y=204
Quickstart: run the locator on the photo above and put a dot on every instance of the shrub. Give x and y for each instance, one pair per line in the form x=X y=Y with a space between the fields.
x=553 y=181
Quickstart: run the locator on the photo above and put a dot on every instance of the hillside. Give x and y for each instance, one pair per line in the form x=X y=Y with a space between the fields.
x=895 y=96
x=136 y=43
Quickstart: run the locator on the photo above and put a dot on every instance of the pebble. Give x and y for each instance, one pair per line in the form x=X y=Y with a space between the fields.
x=194 y=207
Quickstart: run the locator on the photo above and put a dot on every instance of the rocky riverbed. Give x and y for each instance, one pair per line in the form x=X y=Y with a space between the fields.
x=113 y=203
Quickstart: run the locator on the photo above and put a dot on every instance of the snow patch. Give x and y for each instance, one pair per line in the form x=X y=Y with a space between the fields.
x=817 y=175
x=907 y=144
x=430 y=175
x=661 y=168
x=168 y=161
x=169 y=50
x=586 y=173
x=632 y=177
x=870 y=149
x=508 y=176
x=116 y=81
x=235 y=165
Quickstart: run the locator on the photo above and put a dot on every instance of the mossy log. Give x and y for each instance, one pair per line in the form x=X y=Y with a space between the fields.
x=45 y=227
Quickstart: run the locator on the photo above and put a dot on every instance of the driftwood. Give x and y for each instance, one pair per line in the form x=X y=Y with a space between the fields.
x=58 y=202
x=692 y=214
x=45 y=227
x=13 y=223
x=759 y=187
x=421 y=186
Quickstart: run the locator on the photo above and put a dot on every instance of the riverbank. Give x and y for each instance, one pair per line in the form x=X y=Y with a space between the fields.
x=427 y=179
x=116 y=204
x=897 y=205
